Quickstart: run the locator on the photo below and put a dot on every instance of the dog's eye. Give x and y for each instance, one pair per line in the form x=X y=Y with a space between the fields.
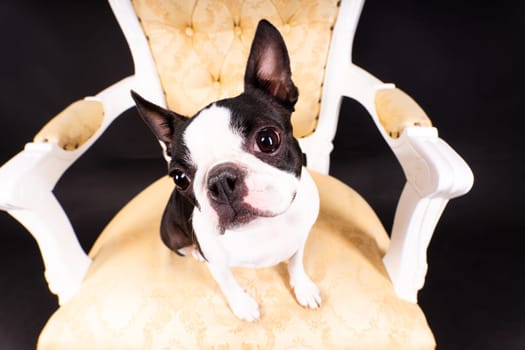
x=268 y=140
x=181 y=180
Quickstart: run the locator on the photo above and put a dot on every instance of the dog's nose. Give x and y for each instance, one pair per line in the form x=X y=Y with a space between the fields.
x=224 y=183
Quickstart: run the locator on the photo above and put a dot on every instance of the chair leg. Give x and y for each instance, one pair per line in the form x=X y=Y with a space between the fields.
x=406 y=260
x=26 y=185
x=65 y=261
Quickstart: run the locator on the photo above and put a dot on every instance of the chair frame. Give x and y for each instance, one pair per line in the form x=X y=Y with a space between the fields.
x=434 y=172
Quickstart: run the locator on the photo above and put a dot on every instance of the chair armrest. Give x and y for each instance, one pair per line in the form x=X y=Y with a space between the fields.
x=75 y=125
x=434 y=173
x=27 y=181
x=396 y=110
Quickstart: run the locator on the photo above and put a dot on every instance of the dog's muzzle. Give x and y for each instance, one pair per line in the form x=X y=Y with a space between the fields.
x=226 y=188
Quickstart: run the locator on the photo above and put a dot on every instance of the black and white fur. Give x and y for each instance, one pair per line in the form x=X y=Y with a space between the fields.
x=242 y=196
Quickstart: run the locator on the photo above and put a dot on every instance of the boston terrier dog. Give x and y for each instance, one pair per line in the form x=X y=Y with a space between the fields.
x=242 y=197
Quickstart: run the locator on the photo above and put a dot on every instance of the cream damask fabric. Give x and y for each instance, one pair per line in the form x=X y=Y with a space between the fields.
x=140 y=295
x=201 y=47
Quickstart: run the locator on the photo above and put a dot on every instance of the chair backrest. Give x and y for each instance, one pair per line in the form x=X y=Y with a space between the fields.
x=190 y=53
x=200 y=48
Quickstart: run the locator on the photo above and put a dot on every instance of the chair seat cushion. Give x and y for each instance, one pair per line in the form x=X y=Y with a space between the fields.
x=140 y=295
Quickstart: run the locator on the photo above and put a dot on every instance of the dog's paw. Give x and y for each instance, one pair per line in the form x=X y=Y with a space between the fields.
x=245 y=307
x=307 y=293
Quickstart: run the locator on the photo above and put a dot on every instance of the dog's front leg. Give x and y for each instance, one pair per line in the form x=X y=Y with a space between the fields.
x=241 y=303
x=306 y=291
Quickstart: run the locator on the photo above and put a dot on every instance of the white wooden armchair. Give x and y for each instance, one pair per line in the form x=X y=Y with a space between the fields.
x=131 y=292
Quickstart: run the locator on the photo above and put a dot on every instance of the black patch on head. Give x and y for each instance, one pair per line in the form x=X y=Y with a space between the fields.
x=250 y=114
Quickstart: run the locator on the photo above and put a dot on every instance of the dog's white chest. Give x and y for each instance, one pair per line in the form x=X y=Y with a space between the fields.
x=265 y=243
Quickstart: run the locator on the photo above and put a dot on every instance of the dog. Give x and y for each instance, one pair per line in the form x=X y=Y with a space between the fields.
x=242 y=196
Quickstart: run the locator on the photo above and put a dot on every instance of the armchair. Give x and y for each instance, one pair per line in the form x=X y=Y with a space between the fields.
x=187 y=54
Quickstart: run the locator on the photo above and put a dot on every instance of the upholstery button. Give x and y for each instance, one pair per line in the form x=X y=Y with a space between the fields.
x=189 y=31
x=286 y=28
x=237 y=30
x=216 y=85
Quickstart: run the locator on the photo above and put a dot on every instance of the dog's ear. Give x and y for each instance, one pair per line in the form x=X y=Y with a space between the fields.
x=161 y=121
x=268 y=67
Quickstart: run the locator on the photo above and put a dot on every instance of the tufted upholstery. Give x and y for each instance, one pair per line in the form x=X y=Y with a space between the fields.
x=200 y=48
x=140 y=295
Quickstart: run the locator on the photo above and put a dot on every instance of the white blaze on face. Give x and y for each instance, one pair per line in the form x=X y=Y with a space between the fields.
x=211 y=141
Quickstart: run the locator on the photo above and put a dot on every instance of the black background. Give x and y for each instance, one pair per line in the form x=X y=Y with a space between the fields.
x=461 y=60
